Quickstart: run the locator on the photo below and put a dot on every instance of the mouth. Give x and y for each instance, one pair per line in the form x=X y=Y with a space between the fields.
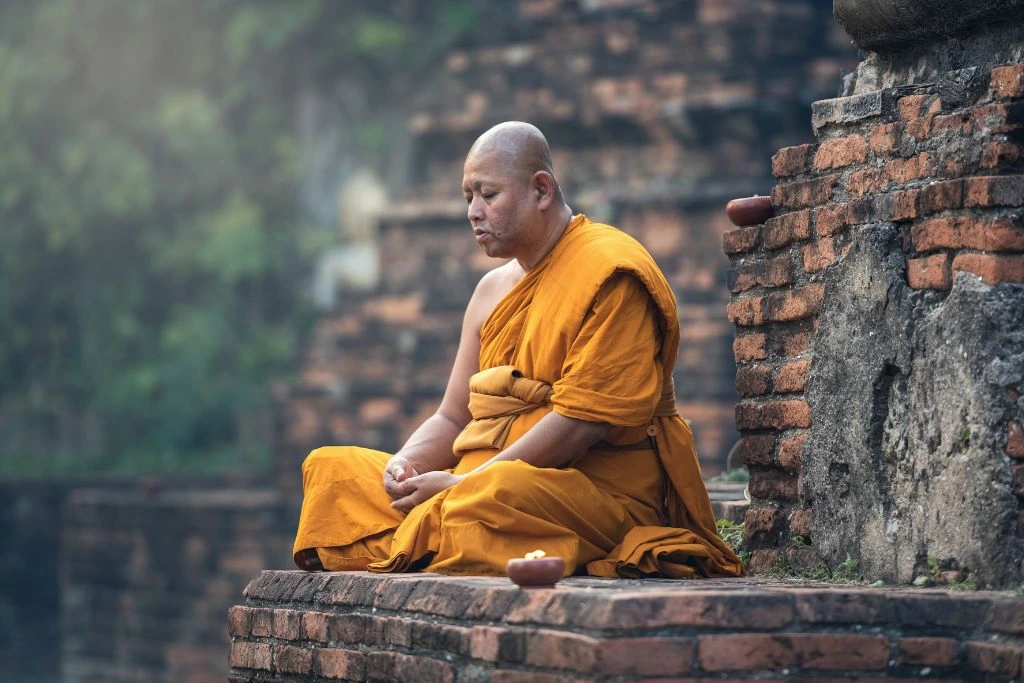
x=482 y=235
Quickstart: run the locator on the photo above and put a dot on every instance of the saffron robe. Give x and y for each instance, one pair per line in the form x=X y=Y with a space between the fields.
x=591 y=332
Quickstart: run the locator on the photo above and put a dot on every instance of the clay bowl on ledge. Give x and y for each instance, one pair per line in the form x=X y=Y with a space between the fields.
x=543 y=572
x=749 y=210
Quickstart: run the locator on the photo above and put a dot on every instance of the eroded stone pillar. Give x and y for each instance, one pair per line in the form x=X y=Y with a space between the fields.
x=880 y=321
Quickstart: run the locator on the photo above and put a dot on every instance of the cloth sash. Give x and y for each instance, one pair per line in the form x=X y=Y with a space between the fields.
x=496 y=396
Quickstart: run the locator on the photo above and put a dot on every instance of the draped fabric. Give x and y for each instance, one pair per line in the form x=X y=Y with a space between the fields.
x=591 y=333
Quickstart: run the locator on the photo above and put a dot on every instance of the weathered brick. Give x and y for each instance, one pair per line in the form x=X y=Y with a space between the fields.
x=651 y=656
x=337 y=663
x=497 y=644
x=238 y=620
x=943 y=195
x=960 y=123
x=998 y=119
x=840 y=152
x=791 y=161
x=1017 y=480
x=792 y=377
x=791 y=340
x=805 y=193
x=394 y=666
x=902 y=171
x=800 y=522
x=773 y=272
x=741 y=240
x=511 y=676
x=846 y=110
x=753 y=380
x=746 y=312
x=791 y=452
x=905 y=205
x=291 y=659
x=912 y=106
x=787 y=414
x=997 y=154
x=561 y=650
x=261 y=622
x=965 y=232
x=795 y=304
x=314 y=626
x=757 y=450
x=763 y=521
x=834 y=218
x=885 y=138
x=1008 y=81
x=994 y=658
x=984 y=191
x=749 y=347
x=865 y=181
x=349 y=628
x=789 y=227
x=821 y=254
x=287 y=624
x=738 y=652
x=428 y=635
x=991 y=268
x=773 y=485
x=930 y=272
x=928 y=651
x=1015 y=440
x=841 y=651
x=246 y=655
x=843 y=606
x=764 y=560
x=391 y=631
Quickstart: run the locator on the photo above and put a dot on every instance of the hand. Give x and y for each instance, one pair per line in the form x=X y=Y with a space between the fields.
x=421 y=487
x=397 y=471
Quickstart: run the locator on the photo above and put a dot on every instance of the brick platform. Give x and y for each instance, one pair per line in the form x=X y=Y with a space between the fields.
x=420 y=627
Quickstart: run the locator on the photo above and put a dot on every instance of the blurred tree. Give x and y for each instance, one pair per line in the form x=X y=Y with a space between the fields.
x=154 y=244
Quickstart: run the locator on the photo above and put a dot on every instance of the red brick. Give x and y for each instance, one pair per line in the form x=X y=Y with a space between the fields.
x=1015 y=440
x=738 y=652
x=747 y=347
x=344 y=664
x=1006 y=190
x=991 y=268
x=841 y=651
x=864 y=182
x=764 y=560
x=964 y=232
x=841 y=152
x=349 y=628
x=746 y=312
x=942 y=196
x=795 y=304
x=507 y=676
x=791 y=452
x=929 y=272
x=261 y=622
x=287 y=624
x=820 y=255
x=791 y=161
x=652 y=656
x=805 y=193
x=1008 y=81
x=773 y=415
x=774 y=272
x=561 y=650
x=291 y=659
x=393 y=666
x=845 y=606
x=800 y=522
x=393 y=631
x=757 y=450
x=496 y=644
x=901 y=171
x=998 y=119
x=238 y=620
x=994 y=658
x=792 y=342
x=773 y=485
x=761 y=521
x=905 y=205
x=1017 y=480
x=996 y=154
x=961 y=124
x=885 y=138
x=792 y=377
x=753 y=380
x=245 y=655
x=427 y=635
x=928 y=651
x=911 y=106
x=741 y=240
x=781 y=230
x=833 y=218
x=314 y=626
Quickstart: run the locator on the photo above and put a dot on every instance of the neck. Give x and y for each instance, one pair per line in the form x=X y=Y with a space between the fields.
x=555 y=229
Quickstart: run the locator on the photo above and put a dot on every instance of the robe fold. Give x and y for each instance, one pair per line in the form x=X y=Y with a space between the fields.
x=591 y=332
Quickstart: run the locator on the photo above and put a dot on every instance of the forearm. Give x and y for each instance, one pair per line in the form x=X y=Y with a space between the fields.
x=555 y=441
x=430 y=446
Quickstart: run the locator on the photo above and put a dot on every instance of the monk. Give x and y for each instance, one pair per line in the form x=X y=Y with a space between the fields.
x=558 y=429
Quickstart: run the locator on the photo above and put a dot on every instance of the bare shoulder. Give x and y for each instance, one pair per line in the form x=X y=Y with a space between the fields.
x=491 y=289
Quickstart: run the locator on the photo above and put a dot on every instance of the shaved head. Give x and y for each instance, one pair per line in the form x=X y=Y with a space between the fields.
x=520 y=149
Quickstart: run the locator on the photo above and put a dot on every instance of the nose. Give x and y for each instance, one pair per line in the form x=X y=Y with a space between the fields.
x=475 y=211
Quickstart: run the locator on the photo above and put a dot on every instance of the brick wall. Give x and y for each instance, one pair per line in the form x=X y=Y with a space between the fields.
x=877 y=324
x=657 y=112
x=300 y=627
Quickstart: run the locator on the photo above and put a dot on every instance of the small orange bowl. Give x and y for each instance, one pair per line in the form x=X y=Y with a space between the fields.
x=749 y=210
x=543 y=572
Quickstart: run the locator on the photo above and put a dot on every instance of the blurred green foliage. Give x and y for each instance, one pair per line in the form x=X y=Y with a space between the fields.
x=153 y=250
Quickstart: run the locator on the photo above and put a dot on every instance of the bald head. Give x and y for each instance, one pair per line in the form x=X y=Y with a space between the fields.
x=520 y=149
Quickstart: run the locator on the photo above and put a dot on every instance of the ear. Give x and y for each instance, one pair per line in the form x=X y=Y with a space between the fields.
x=543 y=186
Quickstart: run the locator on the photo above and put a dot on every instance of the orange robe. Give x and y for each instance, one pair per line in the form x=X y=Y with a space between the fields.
x=591 y=333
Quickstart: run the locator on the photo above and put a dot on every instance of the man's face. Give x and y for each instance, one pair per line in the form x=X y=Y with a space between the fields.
x=499 y=207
